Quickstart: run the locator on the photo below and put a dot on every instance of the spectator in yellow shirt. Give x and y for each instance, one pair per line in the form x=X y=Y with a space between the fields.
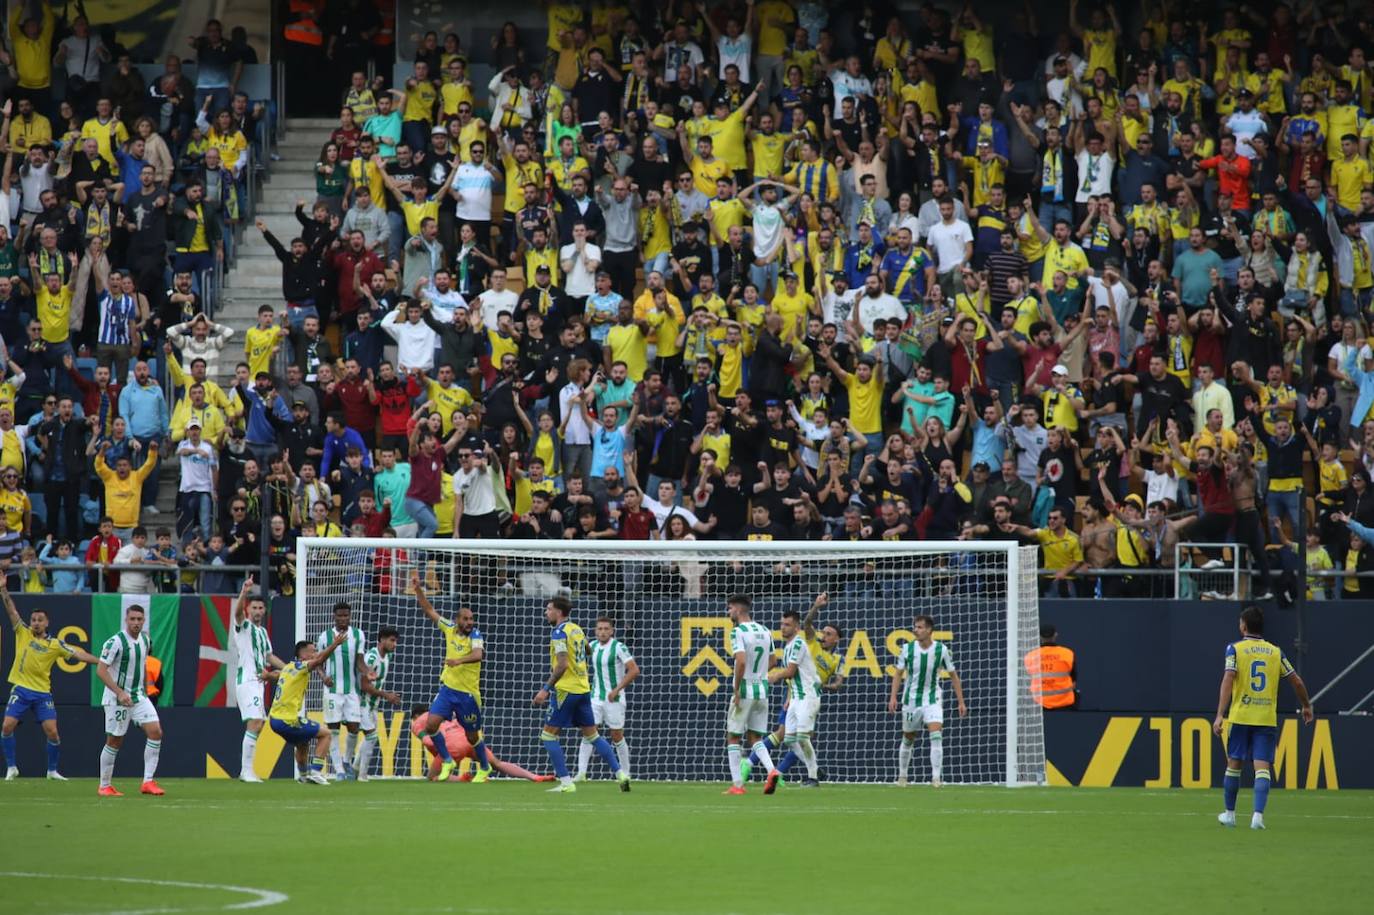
x=124 y=486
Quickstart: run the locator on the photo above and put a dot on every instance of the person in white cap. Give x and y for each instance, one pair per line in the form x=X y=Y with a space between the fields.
x=1063 y=402
x=199 y=482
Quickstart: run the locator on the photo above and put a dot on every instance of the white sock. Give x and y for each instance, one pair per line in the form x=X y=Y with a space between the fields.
x=937 y=754
x=904 y=758
x=346 y=742
x=808 y=754
x=584 y=758
x=107 y=761
x=151 y=750
x=250 y=747
x=765 y=757
x=732 y=751
x=336 y=752
x=622 y=753
x=366 y=744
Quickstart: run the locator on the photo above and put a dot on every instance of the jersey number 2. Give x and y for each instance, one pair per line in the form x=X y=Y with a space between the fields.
x=1257 y=676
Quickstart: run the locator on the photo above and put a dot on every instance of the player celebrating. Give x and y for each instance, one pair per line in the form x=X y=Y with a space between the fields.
x=613 y=669
x=459 y=695
x=751 y=644
x=919 y=665
x=571 y=693
x=1250 y=688
x=253 y=651
x=456 y=741
x=287 y=715
x=343 y=687
x=378 y=663
x=123 y=670
x=798 y=668
x=35 y=652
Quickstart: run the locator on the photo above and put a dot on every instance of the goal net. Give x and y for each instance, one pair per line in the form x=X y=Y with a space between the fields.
x=667 y=601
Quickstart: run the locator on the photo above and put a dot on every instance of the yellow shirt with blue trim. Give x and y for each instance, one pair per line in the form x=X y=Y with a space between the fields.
x=568 y=639
x=34 y=658
x=828 y=663
x=1258 y=666
x=464 y=678
x=818 y=179
x=768 y=151
x=288 y=699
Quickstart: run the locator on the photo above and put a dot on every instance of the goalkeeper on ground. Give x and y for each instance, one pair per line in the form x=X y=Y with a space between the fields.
x=456 y=742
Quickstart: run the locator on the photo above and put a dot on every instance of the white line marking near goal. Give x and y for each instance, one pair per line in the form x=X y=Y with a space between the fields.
x=261 y=898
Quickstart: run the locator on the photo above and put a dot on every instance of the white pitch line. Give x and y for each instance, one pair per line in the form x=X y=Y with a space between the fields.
x=261 y=898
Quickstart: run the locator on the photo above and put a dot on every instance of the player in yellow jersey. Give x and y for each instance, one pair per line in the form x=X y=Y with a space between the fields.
x=459 y=693
x=287 y=716
x=1248 y=706
x=35 y=652
x=568 y=695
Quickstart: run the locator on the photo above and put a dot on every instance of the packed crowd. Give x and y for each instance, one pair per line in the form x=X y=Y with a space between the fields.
x=768 y=271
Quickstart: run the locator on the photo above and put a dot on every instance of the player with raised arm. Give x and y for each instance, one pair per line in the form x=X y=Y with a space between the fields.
x=798 y=670
x=613 y=669
x=35 y=652
x=123 y=670
x=751 y=646
x=287 y=715
x=343 y=690
x=1248 y=703
x=568 y=694
x=919 y=667
x=459 y=693
x=253 y=655
x=456 y=741
x=824 y=645
x=378 y=664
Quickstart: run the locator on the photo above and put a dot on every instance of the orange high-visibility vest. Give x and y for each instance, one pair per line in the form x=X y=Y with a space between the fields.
x=304 y=27
x=386 y=35
x=152 y=674
x=1049 y=667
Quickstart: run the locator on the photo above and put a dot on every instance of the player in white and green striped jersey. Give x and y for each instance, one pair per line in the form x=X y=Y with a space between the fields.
x=123 y=669
x=798 y=671
x=751 y=645
x=917 y=683
x=612 y=668
x=343 y=676
x=377 y=660
x=252 y=655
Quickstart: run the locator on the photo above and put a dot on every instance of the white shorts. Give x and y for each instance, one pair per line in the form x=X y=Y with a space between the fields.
x=609 y=714
x=367 y=719
x=801 y=715
x=249 y=696
x=914 y=717
x=117 y=717
x=747 y=715
x=339 y=708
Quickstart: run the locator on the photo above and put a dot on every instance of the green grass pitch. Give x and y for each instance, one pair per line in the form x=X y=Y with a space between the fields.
x=510 y=847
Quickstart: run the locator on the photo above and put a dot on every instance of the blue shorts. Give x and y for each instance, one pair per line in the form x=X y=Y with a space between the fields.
x=574 y=710
x=1251 y=741
x=454 y=703
x=298 y=733
x=22 y=699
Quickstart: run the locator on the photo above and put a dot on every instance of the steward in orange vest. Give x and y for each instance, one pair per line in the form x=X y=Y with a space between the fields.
x=1053 y=676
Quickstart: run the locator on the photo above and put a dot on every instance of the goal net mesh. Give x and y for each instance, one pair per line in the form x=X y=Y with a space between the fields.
x=668 y=607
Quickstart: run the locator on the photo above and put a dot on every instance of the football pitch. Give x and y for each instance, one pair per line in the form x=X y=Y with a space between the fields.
x=510 y=847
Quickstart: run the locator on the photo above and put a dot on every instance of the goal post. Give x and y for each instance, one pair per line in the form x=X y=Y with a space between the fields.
x=667 y=601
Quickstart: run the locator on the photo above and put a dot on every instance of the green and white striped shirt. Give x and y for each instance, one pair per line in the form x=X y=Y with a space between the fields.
x=608 y=667
x=251 y=647
x=806 y=682
x=923 y=666
x=755 y=642
x=127 y=659
x=342 y=666
x=380 y=664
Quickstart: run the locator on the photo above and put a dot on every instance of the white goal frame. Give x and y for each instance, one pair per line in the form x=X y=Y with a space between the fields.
x=1020 y=561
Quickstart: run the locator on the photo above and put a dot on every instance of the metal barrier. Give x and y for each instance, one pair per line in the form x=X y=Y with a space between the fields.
x=1214 y=572
x=100 y=571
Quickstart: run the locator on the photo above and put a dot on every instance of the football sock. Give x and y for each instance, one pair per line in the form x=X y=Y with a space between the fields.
x=108 y=755
x=250 y=747
x=365 y=747
x=54 y=754
x=790 y=756
x=622 y=753
x=937 y=753
x=151 y=751
x=732 y=750
x=479 y=751
x=1261 y=789
x=761 y=751
x=761 y=747
x=904 y=758
x=808 y=755
x=345 y=746
x=9 y=745
x=336 y=754
x=584 y=757
x=441 y=747
x=602 y=746
x=1230 y=787
x=316 y=763
x=555 y=751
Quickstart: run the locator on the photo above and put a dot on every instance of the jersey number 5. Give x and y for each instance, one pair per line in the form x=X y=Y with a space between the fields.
x=1257 y=676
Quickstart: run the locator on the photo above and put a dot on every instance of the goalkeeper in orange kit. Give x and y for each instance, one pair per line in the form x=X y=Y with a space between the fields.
x=456 y=740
